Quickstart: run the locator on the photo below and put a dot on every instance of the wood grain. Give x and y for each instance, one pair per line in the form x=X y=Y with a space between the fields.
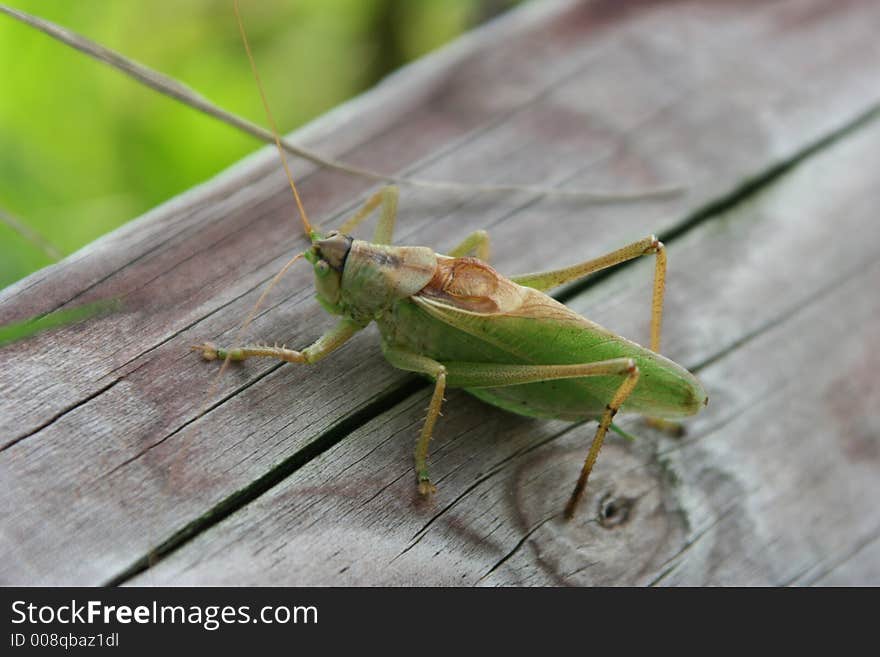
x=303 y=475
x=769 y=485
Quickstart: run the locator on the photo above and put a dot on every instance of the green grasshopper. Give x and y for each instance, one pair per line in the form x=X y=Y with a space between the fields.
x=455 y=320
x=452 y=317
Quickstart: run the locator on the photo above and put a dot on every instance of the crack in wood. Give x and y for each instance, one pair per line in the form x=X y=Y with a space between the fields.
x=516 y=548
x=836 y=563
x=676 y=559
x=749 y=189
x=709 y=211
x=260 y=486
x=740 y=186
x=60 y=414
x=497 y=468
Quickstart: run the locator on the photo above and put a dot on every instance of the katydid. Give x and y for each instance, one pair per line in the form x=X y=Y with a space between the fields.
x=452 y=317
x=455 y=320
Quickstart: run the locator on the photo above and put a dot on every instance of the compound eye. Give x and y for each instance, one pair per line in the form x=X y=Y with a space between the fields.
x=322 y=268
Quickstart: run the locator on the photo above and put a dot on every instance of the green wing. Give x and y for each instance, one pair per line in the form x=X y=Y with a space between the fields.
x=540 y=330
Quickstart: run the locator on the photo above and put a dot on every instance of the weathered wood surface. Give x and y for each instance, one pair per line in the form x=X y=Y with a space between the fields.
x=298 y=475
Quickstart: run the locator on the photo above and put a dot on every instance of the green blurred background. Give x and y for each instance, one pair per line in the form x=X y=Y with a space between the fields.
x=84 y=149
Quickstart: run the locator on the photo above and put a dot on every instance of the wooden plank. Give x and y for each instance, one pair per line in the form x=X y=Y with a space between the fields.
x=96 y=465
x=767 y=488
x=859 y=567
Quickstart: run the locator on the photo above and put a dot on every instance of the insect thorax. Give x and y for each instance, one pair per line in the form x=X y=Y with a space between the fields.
x=377 y=275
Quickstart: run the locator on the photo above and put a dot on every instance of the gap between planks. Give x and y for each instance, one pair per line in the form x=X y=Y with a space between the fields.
x=412 y=385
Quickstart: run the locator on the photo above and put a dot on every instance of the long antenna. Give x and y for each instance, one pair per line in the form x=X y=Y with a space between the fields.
x=302 y=213
x=168 y=86
x=247 y=47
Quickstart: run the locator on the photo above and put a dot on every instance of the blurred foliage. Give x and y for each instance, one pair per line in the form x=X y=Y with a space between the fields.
x=10 y=333
x=83 y=149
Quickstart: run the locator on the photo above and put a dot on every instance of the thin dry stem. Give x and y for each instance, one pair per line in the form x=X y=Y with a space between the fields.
x=31 y=235
x=275 y=136
x=168 y=86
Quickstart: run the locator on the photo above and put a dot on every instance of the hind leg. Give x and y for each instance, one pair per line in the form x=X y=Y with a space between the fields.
x=492 y=375
x=650 y=245
x=647 y=246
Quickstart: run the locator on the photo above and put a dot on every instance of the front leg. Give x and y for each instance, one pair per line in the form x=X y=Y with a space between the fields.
x=327 y=343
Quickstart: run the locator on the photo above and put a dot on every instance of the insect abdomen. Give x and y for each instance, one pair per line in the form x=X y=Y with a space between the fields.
x=549 y=333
